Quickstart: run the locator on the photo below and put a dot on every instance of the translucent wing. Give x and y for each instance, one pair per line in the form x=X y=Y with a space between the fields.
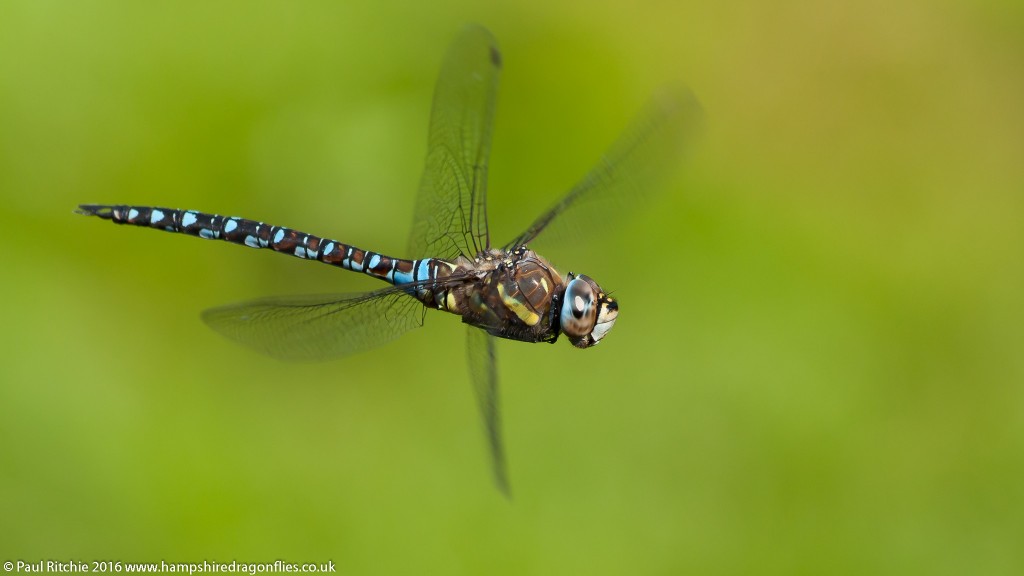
x=318 y=327
x=483 y=370
x=451 y=208
x=651 y=145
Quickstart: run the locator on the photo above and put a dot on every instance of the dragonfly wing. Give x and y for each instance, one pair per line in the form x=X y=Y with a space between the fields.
x=318 y=327
x=451 y=207
x=484 y=373
x=651 y=145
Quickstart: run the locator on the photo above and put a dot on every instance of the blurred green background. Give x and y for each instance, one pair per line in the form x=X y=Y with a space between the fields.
x=818 y=367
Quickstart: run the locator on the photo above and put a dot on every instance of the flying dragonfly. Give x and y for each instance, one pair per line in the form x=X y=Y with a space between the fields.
x=507 y=292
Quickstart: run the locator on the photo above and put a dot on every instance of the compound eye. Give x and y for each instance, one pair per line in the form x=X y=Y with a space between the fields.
x=579 y=310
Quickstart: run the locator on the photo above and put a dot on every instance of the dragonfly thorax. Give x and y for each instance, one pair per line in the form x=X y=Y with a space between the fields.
x=518 y=294
x=513 y=295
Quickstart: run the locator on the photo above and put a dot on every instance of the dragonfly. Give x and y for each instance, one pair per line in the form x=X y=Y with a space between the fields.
x=508 y=291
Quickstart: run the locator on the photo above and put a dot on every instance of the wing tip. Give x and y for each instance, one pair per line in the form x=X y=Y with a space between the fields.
x=503 y=486
x=476 y=29
x=679 y=102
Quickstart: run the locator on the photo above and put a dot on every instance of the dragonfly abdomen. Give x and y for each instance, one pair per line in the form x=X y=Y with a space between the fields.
x=278 y=238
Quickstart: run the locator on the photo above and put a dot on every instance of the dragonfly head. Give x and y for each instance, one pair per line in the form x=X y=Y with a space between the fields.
x=587 y=312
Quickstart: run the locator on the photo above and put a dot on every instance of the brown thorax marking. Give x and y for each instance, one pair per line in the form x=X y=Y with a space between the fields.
x=509 y=294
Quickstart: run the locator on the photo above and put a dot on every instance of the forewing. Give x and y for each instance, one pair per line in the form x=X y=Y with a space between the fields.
x=451 y=207
x=634 y=165
x=483 y=370
x=318 y=327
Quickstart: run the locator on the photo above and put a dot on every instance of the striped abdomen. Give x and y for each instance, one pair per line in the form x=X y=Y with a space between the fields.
x=259 y=235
